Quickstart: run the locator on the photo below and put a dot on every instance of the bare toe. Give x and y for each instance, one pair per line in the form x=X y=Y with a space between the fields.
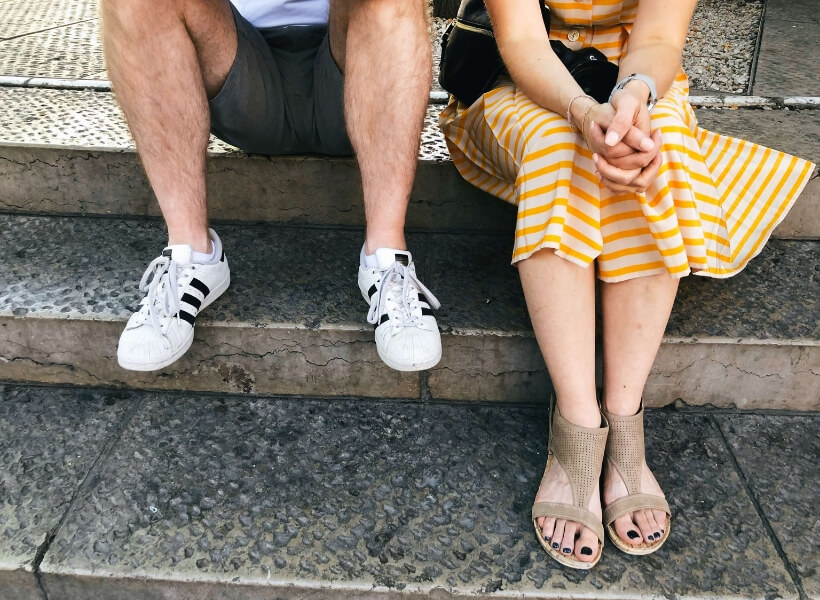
x=568 y=540
x=547 y=528
x=647 y=531
x=558 y=533
x=653 y=525
x=628 y=531
x=660 y=519
x=586 y=547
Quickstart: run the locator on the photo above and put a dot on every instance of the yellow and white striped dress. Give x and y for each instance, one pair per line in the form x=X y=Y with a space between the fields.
x=711 y=209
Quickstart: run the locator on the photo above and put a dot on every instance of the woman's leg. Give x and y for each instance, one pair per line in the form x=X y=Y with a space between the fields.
x=635 y=313
x=561 y=302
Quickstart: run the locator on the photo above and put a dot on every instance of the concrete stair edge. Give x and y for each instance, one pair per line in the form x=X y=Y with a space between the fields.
x=67 y=168
x=748 y=342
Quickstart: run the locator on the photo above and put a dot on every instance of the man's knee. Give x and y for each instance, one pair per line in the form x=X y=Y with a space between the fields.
x=137 y=16
x=388 y=14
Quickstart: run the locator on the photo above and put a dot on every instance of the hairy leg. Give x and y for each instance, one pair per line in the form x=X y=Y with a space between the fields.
x=635 y=313
x=561 y=302
x=383 y=47
x=165 y=59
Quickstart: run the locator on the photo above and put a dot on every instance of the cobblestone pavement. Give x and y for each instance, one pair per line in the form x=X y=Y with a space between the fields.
x=121 y=494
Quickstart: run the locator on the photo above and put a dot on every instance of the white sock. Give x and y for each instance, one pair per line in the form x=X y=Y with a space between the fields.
x=204 y=258
x=368 y=261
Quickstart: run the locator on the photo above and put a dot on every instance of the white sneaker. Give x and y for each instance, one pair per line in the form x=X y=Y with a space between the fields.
x=162 y=330
x=407 y=337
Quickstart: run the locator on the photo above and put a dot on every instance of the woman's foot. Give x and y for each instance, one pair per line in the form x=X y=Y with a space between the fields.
x=641 y=526
x=568 y=537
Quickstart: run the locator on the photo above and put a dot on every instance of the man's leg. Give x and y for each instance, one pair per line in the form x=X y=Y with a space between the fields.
x=165 y=59
x=383 y=47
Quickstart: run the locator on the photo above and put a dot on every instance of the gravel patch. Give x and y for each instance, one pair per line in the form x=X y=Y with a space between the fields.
x=721 y=43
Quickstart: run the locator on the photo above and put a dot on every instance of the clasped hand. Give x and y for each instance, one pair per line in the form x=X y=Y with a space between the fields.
x=626 y=154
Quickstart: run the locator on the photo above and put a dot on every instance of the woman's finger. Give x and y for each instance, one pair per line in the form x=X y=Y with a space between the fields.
x=625 y=114
x=648 y=175
x=635 y=138
x=614 y=174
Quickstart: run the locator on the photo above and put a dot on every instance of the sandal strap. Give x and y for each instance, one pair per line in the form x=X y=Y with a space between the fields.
x=580 y=451
x=570 y=513
x=625 y=448
x=634 y=502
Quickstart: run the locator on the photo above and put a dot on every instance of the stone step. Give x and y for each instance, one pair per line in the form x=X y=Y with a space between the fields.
x=123 y=495
x=69 y=152
x=293 y=321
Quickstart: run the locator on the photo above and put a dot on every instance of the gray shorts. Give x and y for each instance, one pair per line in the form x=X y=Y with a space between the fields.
x=283 y=94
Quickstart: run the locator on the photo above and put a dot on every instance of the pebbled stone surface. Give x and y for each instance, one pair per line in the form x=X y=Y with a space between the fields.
x=791 y=37
x=51 y=266
x=779 y=457
x=49 y=440
x=230 y=493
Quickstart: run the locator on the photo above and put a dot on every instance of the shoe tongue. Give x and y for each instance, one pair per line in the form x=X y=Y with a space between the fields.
x=180 y=253
x=387 y=256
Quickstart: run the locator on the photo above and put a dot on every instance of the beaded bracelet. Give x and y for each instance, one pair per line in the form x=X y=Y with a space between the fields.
x=569 y=109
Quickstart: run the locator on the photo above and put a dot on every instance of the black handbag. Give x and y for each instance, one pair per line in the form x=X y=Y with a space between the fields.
x=471 y=64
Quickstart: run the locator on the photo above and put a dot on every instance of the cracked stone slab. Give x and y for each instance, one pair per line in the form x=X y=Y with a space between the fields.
x=790 y=41
x=212 y=497
x=70 y=52
x=70 y=152
x=30 y=17
x=778 y=456
x=287 y=328
x=49 y=440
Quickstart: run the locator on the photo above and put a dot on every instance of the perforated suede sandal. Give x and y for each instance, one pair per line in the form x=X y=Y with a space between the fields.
x=580 y=452
x=625 y=450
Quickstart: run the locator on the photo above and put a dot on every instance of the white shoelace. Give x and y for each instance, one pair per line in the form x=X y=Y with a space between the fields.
x=400 y=279
x=167 y=301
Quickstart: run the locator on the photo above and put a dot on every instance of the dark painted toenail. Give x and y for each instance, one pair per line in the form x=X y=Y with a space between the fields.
x=546 y=538
x=633 y=535
x=657 y=535
x=566 y=550
x=555 y=545
x=586 y=551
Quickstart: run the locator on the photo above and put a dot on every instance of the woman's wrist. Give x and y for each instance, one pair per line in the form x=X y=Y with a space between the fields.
x=579 y=109
x=639 y=89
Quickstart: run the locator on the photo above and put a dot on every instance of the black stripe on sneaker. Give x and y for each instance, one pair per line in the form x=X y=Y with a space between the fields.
x=423 y=298
x=203 y=289
x=187 y=317
x=192 y=300
x=373 y=289
x=426 y=311
x=222 y=259
x=385 y=318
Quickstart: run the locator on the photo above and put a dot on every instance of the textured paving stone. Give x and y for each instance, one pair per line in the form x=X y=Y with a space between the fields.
x=231 y=494
x=779 y=457
x=295 y=329
x=791 y=40
x=718 y=56
x=49 y=439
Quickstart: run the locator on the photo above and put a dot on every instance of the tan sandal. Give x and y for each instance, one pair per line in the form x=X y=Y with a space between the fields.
x=625 y=450
x=580 y=452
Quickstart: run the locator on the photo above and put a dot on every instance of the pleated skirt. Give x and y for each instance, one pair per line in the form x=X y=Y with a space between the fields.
x=711 y=209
